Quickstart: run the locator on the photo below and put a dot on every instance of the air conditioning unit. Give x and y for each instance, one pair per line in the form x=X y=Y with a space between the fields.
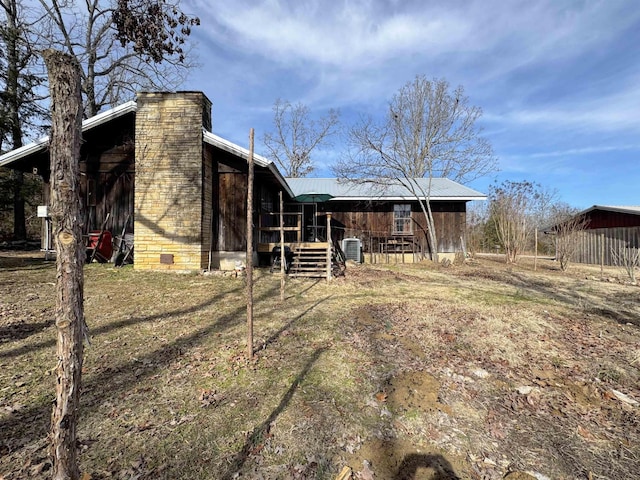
x=352 y=248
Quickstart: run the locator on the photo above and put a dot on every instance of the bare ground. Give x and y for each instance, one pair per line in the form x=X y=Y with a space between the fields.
x=476 y=371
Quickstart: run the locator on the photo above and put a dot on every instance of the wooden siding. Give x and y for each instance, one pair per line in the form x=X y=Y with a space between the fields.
x=107 y=187
x=209 y=205
x=373 y=221
x=592 y=244
x=232 y=212
x=607 y=219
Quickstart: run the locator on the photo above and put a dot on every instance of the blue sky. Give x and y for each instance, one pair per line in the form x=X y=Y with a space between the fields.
x=558 y=80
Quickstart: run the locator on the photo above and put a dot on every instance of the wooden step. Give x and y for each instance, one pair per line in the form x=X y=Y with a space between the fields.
x=310 y=261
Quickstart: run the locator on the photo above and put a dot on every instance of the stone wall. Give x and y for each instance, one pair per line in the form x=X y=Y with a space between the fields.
x=169 y=181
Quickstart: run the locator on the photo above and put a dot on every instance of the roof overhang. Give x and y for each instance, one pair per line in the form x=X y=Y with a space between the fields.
x=407 y=199
x=631 y=210
x=226 y=145
x=42 y=144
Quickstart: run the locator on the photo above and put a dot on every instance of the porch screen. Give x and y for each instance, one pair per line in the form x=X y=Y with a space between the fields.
x=402 y=219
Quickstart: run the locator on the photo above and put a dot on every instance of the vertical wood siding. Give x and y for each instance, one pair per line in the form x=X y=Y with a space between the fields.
x=590 y=243
x=372 y=221
x=232 y=212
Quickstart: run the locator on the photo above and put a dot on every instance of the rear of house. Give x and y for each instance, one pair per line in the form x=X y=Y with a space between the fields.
x=153 y=170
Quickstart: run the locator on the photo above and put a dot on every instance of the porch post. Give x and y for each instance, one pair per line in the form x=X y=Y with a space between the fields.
x=329 y=242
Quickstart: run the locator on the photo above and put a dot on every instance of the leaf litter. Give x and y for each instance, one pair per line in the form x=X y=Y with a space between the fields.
x=475 y=371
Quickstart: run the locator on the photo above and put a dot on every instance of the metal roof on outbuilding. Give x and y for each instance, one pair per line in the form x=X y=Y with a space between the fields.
x=633 y=209
x=441 y=189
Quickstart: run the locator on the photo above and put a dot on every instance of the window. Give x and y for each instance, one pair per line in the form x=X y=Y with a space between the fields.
x=402 y=219
x=266 y=199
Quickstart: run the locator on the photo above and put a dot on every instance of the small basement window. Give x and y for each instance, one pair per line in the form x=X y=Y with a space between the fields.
x=402 y=224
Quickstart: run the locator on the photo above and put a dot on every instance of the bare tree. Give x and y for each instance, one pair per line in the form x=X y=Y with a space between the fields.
x=511 y=209
x=429 y=131
x=476 y=232
x=296 y=135
x=627 y=257
x=567 y=226
x=18 y=100
x=122 y=45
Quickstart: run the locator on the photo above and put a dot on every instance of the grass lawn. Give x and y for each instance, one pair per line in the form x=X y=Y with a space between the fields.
x=397 y=371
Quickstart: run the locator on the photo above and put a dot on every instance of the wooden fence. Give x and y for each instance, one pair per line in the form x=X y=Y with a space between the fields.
x=596 y=245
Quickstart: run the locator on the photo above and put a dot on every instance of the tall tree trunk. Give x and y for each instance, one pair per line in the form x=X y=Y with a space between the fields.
x=13 y=99
x=66 y=121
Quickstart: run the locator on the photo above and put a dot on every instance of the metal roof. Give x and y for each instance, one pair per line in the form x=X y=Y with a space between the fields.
x=633 y=209
x=42 y=144
x=441 y=189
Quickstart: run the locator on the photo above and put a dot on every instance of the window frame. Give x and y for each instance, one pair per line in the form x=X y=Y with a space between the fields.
x=402 y=215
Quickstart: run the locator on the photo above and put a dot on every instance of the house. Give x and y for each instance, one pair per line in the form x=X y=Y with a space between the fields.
x=160 y=173
x=390 y=219
x=609 y=230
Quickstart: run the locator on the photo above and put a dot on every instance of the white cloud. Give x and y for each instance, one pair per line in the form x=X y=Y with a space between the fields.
x=358 y=50
x=559 y=81
x=340 y=34
x=616 y=112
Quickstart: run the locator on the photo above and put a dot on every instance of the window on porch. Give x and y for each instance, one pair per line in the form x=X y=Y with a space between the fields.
x=402 y=224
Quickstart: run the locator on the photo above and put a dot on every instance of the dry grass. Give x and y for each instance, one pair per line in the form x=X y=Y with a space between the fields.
x=423 y=371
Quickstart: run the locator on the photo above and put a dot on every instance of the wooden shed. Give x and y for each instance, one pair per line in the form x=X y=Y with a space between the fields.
x=609 y=230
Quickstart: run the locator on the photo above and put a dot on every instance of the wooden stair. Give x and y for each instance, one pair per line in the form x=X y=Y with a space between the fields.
x=310 y=260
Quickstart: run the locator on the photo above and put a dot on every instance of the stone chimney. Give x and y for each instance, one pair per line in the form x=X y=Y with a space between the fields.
x=168 y=180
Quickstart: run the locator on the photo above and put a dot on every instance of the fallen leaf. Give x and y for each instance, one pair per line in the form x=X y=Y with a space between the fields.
x=524 y=390
x=345 y=473
x=625 y=398
x=586 y=434
x=381 y=396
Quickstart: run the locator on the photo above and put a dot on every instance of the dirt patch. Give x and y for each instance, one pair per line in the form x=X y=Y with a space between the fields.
x=402 y=460
x=413 y=390
x=408 y=394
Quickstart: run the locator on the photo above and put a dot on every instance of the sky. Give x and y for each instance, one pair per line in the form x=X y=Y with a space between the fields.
x=558 y=81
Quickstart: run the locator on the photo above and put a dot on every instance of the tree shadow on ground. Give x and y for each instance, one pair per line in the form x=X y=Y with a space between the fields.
x=275 y=335
x=10 y=263
x=21 y=330
x=261 y=431
x=121 y=324
x=622 y=317
x=29 y=424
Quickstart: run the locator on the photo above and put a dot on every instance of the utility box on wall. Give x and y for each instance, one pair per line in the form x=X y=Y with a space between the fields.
x=43 y=211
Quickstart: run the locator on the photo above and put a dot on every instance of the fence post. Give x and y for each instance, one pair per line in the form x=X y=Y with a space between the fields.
x=601 y=256
x=329 y=244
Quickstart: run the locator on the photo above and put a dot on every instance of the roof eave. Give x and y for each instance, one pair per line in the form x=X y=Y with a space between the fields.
x=407 y=198
x=606 y=208
x=242 y=152
x=41 y=144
